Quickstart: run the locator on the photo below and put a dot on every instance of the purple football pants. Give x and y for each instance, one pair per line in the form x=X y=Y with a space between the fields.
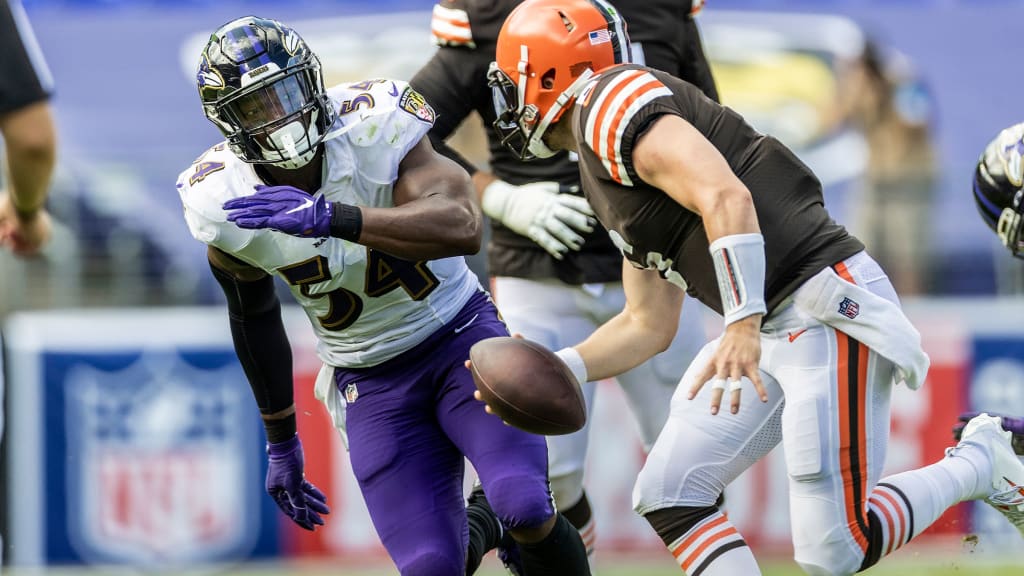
x=412 y=423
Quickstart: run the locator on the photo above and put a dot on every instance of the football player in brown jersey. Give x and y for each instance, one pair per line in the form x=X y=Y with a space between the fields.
x=701 y=203
x=555 y=273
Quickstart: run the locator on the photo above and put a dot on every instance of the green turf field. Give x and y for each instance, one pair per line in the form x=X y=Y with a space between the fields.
x=905 y=566
x=948 y=558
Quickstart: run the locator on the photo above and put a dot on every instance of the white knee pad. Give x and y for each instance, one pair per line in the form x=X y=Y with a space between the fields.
x=831 y=553
x=567 y=489
x=697 y=488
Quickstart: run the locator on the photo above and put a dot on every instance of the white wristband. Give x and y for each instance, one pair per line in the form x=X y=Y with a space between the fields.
x=739 y=266
x=575 y=362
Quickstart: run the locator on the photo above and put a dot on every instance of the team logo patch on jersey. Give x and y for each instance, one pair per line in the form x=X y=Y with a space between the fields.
x=414 y=103
x=351 y=393
x=849 y=308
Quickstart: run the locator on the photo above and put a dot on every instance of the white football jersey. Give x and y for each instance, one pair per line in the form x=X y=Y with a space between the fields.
x=365 y=306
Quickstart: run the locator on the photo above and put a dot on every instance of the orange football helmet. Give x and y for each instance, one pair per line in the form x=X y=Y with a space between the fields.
x=546 y=52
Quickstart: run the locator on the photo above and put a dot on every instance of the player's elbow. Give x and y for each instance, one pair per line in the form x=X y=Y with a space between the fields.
x=466 y=232
x=465 y=228
x=30 y=136
x=659 y=332
x=33 y=148
x=731 y=197
x=663 y=336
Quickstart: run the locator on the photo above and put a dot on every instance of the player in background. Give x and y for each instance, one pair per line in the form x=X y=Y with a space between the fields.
x=555 y=273
x=697 y=200
x=340 y=195
x=29 y=136
x=998 y=183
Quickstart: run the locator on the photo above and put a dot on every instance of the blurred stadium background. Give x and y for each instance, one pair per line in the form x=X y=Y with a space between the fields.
x=131 y=442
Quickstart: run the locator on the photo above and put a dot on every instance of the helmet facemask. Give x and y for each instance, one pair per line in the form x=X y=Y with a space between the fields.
x=1010 y=227
x=278 y=119
x=521 y=127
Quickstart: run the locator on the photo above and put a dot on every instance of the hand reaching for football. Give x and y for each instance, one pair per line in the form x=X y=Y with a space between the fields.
x=527 y=386
x=476 y=393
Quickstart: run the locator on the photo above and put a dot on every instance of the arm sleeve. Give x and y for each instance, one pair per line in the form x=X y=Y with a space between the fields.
x=261 y=345
x=454 y=81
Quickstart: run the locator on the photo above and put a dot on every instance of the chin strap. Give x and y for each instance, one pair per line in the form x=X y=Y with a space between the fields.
x=535 y=143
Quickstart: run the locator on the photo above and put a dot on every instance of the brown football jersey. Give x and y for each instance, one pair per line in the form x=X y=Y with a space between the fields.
x=653 y=231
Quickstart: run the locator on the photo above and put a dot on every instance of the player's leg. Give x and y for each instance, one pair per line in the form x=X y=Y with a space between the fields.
x=835 y=431
x=694 y=458
x=553 y=313
x=409 y=472
x=512 y=464
x=835 y=427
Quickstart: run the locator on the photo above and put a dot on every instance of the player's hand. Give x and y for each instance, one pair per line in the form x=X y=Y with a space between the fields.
x=476 y=393
x=282 y=208
x=538 y=211
x=736 y=359
x=287 y=485
x=23 y=236
x=1012 y=424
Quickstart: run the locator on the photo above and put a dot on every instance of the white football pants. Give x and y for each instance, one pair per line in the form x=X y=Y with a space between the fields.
x=828 y=402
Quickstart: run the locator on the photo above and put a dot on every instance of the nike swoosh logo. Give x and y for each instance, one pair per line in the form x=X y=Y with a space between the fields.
x=466 y=325
x=301 y=207
x=794 y=335
x=394 y=90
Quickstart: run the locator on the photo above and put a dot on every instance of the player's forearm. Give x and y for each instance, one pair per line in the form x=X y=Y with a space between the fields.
x=31 y=154
x=262 y=347
x=623 y=343
x=426 y=229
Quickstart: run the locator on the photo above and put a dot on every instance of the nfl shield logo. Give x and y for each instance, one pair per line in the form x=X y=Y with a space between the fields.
x=849 y=308
x=351 y=393
x=161 y=448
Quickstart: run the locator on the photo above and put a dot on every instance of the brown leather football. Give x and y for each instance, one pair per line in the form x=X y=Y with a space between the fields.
x=528 y=386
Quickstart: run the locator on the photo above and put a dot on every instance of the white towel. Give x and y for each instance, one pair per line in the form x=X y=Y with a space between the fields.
x=327 y=392
x=874 y=321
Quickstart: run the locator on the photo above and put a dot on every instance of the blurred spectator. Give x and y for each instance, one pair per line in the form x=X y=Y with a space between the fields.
x=27 y=128
x=28 y=132
x=894 y=110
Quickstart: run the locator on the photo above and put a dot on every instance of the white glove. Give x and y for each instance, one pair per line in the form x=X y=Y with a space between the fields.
x=540 y=213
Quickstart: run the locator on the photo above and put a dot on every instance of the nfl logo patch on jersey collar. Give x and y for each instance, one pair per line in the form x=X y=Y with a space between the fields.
x=351 y=393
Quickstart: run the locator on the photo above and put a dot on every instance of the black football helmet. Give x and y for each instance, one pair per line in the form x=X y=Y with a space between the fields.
x=998 y=182
x=262 y=87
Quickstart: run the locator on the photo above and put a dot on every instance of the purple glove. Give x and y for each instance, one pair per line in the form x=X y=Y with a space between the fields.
x=286 y=484
x=282 y=208
x=1012 y=424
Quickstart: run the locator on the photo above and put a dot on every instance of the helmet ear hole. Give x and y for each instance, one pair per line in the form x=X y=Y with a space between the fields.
x=547 y=81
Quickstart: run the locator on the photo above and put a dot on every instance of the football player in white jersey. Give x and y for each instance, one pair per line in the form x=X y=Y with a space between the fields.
x=339 y=194
x=998 y=191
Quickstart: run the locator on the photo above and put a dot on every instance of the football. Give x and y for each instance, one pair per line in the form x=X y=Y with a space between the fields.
x=528 y=386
